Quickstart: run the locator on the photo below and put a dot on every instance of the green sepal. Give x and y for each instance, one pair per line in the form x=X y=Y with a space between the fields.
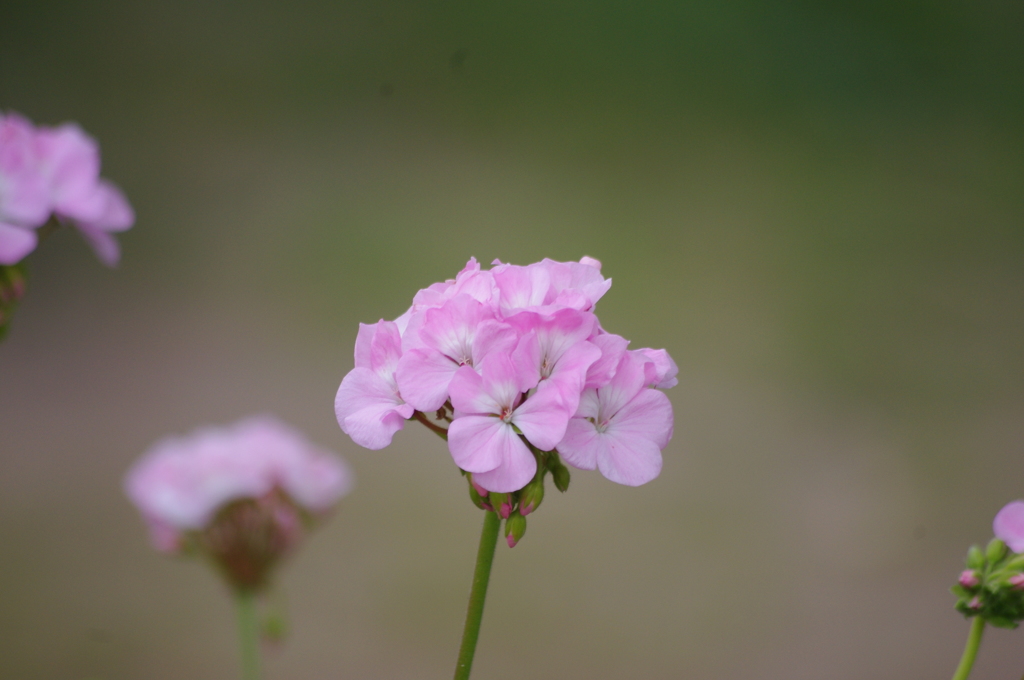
x=1000 y=622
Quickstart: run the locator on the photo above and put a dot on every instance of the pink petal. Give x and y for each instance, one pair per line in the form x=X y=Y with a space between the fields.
x=660 y=371
x=481 y=443
x=579 y=446
x=368 y=410
x=450 y=328
x=385 y=350
x=612 y=348
x=492 y=337
x=423 y=378
x=71 y=160
x=648 y=415
x=626 y=384
x=1008 y=526
x=469 y=393
x=15 y=243
x=103 y=244
x=521 y=287
x=542 y=418
x=627 y=460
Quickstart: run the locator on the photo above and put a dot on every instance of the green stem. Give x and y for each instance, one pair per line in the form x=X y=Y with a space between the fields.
x=248 y=628
x=475 y=613
x=971 y=650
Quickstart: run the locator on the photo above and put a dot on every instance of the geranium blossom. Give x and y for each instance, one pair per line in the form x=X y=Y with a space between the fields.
x=512 y=366
x=181 y=482
x=55 y=171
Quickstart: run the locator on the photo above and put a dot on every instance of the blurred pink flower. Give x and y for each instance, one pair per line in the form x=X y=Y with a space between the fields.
x=1008 y=525
x=267 y=472
x=46 y=171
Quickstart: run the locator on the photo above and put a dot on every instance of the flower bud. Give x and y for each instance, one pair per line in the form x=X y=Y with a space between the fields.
x=1016 y=581
x=478 y=494
x=502 y=503
x=531 y=496
x=559 y=473
x=975 y=558
x=975 y=603
x=515 y=528
x=995 y=551
x=969 y=579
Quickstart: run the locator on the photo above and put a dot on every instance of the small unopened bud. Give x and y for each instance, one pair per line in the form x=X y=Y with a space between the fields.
x=995 y=551
x=975 y=603
x=1016 y=581
x=559 y=473
x=969 y=579
x=502 y=503
x=515 y=528
x=531 y=496
x=478 y=498
x=975 y=558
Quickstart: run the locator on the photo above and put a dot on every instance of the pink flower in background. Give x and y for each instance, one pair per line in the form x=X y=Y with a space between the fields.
x=46 y=171
x=1008 y=526
x=241 y=493
x=502 y=360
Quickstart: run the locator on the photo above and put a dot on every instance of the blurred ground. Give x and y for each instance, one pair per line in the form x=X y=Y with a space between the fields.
x=817 y=211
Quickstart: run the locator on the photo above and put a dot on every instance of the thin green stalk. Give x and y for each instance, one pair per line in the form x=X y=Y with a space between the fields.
x=971 y=650
x=475 y=612
x=249 y=631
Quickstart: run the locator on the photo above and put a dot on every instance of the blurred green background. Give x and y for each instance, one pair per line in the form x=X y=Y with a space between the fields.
x=818 y=210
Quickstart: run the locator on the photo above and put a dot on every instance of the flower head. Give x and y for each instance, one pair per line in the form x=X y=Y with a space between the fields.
x=243 y=494
x=512 y=367
x=55 y=171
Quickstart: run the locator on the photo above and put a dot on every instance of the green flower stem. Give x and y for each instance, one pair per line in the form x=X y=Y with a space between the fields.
x=971 y=650
x=475 y=613
x=249 y=630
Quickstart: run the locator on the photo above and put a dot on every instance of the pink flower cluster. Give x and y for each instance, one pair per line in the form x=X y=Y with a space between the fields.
x=55 y=171
x=510 y=358
x=182 y=483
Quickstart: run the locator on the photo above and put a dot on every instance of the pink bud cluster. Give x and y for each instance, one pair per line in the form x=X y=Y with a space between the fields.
x=55 y=171
x=182 y=484
x=511 y=358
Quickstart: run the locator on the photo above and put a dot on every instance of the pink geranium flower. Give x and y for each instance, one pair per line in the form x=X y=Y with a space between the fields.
x=462 y=332
x=1008 y=526
x=490 y=408
x=620 y=428
x=182 y=482
x=368 y=404
x=46 y=171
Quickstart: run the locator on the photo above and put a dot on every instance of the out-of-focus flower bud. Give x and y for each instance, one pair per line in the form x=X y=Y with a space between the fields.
x=515 y=528
x=975 y=603
x=975 y=558
x=969 y=578
x=1016 y=581
x=531 y=496
x=995 y=551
